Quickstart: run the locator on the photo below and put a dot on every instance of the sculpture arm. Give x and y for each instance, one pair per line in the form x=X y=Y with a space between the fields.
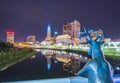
x=84 y=70
x=112 y=71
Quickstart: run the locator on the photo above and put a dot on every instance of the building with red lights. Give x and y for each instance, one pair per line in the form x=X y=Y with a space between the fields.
x=10 y=36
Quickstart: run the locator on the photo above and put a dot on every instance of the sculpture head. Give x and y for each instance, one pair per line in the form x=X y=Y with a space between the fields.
x=98 y=67
x=95 y=41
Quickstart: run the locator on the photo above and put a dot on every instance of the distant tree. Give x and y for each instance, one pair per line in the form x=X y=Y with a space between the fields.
x=106 y=45
x=6 y=46
x=111 y=45
x=2 y=45
x=9 y=45
x=118 y=45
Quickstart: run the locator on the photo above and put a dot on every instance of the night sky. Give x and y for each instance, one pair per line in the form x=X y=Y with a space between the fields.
x=27 y=17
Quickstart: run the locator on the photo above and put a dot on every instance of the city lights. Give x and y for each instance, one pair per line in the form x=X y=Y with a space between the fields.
x=59 y=41
x=10 y=36
x=118 y=68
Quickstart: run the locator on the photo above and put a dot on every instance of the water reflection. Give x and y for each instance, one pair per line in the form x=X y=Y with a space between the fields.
x=71 y=62
x=47 y=64
x=48 y=61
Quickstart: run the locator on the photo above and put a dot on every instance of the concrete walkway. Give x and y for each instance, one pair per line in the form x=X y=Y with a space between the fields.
x=75 y=79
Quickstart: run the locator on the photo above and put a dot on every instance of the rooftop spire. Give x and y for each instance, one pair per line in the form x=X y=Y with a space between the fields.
x=48 y=28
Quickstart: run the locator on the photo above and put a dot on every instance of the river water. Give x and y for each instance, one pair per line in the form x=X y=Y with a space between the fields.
x=44 y=65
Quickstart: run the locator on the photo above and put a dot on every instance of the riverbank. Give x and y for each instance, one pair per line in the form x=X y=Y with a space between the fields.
x=109 y=53
x=110 y=58
x=10 y=58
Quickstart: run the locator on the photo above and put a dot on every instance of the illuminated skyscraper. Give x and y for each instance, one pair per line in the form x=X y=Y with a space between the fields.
x=72 y=29
x=10 y=36
x=75 y=29
x=67 y=29
x=48 y=33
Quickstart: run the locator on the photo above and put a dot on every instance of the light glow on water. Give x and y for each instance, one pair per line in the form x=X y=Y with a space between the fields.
x=49 y=66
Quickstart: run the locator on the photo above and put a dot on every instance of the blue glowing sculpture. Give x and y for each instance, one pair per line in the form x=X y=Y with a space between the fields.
x=98 y=69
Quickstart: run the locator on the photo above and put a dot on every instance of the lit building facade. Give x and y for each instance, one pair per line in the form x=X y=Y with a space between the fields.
x=67 y=29
x=64 y=39
x=31 y=38
x=75 y=33
x=108 y=40
x=10 y=37
x=49 y=39
x=72 y=29
x=94 y=34
x=83 y=39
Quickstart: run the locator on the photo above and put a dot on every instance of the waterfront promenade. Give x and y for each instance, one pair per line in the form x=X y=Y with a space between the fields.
x=75 y=79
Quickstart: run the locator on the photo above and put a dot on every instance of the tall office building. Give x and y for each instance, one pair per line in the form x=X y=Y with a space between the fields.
x=10 y=36
x=75 y=29
x=72 y=29
x=67 y=29
x=48 y=38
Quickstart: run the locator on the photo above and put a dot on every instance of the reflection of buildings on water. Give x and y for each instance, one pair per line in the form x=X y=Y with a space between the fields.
x=71 y=61
x=73 y=65
x=65 y=60
x=49 y=55
x=61 y=56
x=48 y=62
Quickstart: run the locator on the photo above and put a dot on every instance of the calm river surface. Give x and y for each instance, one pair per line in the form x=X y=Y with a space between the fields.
x=45 y=64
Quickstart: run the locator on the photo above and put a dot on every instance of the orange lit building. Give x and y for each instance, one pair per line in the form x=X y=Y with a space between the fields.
x=10 y=36
x=95 y=33
x=67 y=29
x=64 y=39
x=73 y=30
x=22 y=45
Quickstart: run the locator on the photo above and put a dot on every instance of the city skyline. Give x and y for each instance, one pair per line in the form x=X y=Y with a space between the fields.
x=32 y=17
